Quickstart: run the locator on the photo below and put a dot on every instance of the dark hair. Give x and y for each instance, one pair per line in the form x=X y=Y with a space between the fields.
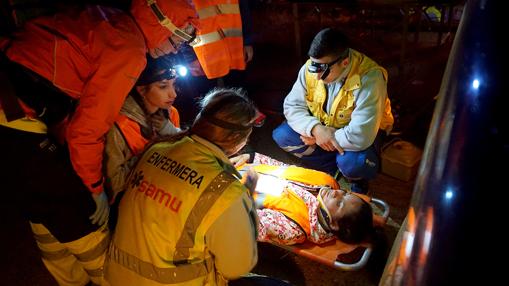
x=328 y=42
x=225 y=117
x=357 y=226
x=157 y=69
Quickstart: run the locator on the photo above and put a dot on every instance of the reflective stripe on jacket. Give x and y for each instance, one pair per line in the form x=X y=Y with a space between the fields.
x=176 y=192
x=220 y=47
x=27 y=123
x=343 y=105
x=94 y=55
x=298 y=174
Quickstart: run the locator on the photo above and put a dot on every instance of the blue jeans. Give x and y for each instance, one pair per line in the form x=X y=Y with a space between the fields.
x=354 y=165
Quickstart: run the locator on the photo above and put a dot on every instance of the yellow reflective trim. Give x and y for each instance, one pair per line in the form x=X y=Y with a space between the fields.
x=95 y=252
x=45 y=238
x=55 y=255
x=98 y=272
x=233 y=32
x=219 y=9
x=207 y=38
x=217 y=36
x=206 y=200
x=170 y=275
x=24 y=124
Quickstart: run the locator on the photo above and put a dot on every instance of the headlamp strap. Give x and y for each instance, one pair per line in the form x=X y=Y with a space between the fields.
x=227 y=125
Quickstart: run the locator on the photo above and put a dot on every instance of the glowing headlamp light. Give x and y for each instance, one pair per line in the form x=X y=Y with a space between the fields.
x=181 y=70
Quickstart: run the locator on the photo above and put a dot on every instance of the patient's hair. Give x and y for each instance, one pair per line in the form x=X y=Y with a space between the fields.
x=357 y=226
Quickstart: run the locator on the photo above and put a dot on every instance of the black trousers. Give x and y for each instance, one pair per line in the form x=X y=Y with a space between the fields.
x=37 y=176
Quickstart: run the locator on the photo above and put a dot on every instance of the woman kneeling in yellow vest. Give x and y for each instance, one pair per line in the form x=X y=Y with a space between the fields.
x=185 y=218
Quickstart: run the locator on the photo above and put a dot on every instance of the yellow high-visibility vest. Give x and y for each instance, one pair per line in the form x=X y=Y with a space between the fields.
x=343 y=105
x=175 y=193
x=298 y=174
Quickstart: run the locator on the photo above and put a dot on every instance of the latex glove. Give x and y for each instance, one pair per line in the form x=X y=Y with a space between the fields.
x=249 y=180
x=248 y=53
x=102 y=209
x=239 y=160
x=159 y=121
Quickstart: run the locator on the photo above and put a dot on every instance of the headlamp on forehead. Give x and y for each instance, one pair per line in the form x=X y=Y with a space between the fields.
x=160 y=69
x=148 y=77
x=323 y=68
x=181 y=70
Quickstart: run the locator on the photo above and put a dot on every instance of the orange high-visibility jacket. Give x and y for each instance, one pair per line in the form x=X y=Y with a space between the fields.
x=289 y=204
x=220 y=47
x=177 y=12
x=94 y=55
x=131 y=130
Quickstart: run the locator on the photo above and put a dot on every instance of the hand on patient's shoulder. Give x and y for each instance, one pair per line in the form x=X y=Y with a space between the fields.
x=239 y=160
x=249 y=180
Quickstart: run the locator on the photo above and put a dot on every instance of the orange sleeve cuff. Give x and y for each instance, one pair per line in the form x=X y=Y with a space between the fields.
x=96 y=187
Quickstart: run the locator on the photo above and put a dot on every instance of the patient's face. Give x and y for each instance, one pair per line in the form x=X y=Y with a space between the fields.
x=339 y=204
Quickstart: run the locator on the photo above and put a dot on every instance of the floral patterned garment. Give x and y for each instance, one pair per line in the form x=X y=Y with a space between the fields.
x=275 y=227
x=263 y=159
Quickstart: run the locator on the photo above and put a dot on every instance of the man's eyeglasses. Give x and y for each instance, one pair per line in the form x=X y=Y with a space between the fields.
x=323 y=68
x=315 y=67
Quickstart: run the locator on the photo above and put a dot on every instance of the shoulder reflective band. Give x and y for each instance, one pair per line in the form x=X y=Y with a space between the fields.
x=165 y=21
x=216 y=36
x=195 y=218
x=218 y=10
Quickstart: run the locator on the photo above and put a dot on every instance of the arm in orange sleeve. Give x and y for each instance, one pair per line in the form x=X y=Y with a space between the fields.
x=100 y=103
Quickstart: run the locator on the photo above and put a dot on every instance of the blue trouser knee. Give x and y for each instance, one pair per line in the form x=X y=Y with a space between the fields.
x=352 y=164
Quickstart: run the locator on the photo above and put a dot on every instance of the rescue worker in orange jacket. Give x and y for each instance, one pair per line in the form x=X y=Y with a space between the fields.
x=220 y=47
x=147 y=114
x=93 y=56
x=185 y=218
